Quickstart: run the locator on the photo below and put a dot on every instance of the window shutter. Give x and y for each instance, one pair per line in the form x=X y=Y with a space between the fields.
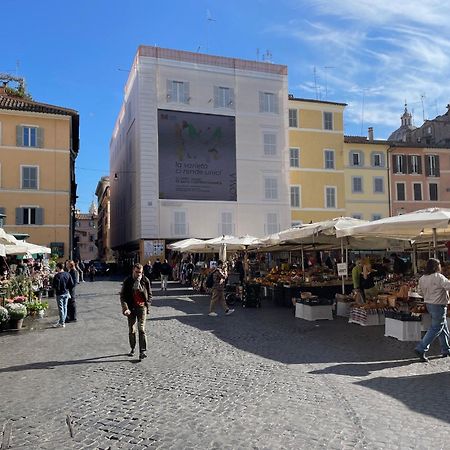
x=19 y=136
x=350 y=159
x=394 y=163
x=404 y=163
x=2 y=210
x=40 y=137
x=186 y=92
x=275 y=104
x=419 y=164
x=382 y=161
x=437 y=165
x=427 y=165
x=169 y=91
x=361 y=159
x=39 y=216
x=19 y=216
x=409 y=165
x=261 y=102
x=231 y=105
x=216 y=96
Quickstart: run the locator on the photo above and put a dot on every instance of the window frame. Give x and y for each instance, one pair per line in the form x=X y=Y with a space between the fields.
x=176 y=231
x=437 y=192
x=420 y=184
x=292 y=119
x=294 y=158
x=296 y=196
x=270 y=192
x=180 y=97
x=276 y=224
x=328 y=121
x=221 y=100
x=404 y=191
x=22 y=178
x=268 y=102
x=380 y=156
x=223 y=224
x=354 y=191
x=334 y=189
x=270 y=148
x=330 y=151
x=375 y=179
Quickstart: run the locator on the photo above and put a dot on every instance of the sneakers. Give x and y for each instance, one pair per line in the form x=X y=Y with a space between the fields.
x=445 y=355
x=212 y=314
x=421 y=355
x=142 y=355
x=230 y=311
x=58 y=325
x=131 y=353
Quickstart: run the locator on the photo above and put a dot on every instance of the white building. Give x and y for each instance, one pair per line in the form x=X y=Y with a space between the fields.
x=199 y=149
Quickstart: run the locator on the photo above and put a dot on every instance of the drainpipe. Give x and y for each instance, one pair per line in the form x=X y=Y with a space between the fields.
x=388 y=165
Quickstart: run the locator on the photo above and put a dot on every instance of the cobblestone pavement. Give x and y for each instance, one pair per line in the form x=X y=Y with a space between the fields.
x=258 y=379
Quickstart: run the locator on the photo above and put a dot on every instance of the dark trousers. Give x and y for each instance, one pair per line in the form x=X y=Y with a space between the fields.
x=71 y=309
x=138 y=317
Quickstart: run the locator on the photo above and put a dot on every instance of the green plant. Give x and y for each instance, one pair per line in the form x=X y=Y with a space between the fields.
x=52 y=262
x=20 y=286
x=36 y=305
x=4 y=315
x=16 y=310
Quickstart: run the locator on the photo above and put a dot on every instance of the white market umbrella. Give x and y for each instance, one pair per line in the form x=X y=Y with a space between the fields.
x=24 y=248
x=6 y=238
x=185 y=243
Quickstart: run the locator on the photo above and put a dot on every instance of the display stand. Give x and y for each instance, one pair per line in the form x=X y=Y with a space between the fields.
x=364 y=317
x=313 y=312
x=343 y=309
x=403 y=330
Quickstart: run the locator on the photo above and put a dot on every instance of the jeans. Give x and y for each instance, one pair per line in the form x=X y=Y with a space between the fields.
x=164 y=279
x=138 y=315
x=439 y=328
x=61 y=301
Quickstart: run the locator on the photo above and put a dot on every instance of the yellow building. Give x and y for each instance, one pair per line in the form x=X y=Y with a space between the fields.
x=38 y=147
x=103 y=193
x=316 y=136
x=366 y=177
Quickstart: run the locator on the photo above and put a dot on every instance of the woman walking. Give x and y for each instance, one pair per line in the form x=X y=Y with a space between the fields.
x=433 y=286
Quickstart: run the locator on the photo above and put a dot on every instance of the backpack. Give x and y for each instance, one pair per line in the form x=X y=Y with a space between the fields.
x=209 y=283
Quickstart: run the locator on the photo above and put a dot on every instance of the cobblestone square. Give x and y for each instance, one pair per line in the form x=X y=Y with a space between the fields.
x=258 y=379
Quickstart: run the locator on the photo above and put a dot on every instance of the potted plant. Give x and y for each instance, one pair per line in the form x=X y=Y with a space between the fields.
x=17 y=312
x=36 y=308
x=4 y=317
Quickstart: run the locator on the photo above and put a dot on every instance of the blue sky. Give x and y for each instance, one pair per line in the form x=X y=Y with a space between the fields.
x=371 y=55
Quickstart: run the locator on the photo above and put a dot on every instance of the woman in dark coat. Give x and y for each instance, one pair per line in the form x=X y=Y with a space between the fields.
x=71 y=304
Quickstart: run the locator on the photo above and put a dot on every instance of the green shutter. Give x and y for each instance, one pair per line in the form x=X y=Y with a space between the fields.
x=40 y=137
x=19 y=216
x=261 y=102
x=19 y=136
x=216 y=96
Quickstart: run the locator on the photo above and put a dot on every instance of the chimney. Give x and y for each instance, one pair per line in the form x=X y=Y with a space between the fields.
x=370 y=133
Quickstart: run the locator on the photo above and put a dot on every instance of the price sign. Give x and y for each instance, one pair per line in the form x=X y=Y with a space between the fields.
x=342 y=269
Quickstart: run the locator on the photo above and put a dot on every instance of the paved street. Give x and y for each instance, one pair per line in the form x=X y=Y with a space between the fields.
x=258 y=379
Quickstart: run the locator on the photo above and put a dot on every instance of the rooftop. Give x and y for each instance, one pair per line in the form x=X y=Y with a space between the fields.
x=291 y=97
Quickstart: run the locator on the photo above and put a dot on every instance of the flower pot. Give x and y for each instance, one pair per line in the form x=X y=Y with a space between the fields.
x=15 y=324
x=51 y=292
x=41 y=313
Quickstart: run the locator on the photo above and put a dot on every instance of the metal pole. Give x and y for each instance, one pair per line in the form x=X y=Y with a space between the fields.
x=303 y=262
x=342 y=260
x=435 y=242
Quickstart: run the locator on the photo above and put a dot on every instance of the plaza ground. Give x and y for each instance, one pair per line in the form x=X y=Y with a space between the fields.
x=258 y=379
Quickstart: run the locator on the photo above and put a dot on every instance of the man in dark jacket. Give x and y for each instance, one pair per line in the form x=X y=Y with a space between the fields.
x=62 y=284
x=136 y=297
x=166 y=272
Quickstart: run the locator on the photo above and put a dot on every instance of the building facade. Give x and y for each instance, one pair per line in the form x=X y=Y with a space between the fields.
x=199 y=149
x=419 y=177
x=316 y=165
x=366 y=177
x=104 y=228
x=86 y=235
x=38 y=147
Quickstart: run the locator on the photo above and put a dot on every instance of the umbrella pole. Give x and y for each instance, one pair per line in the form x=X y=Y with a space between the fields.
x=342 y=260
x=435 y=242
x=414 y=259
x=303 y=263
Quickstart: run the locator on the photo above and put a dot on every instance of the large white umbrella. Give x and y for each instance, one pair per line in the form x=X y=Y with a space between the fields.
x=184 y=244
x=6 y=238
x=25 y=248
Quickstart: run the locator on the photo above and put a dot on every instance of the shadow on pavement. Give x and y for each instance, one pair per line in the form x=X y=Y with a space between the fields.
x=54 y=364
x=426 y=394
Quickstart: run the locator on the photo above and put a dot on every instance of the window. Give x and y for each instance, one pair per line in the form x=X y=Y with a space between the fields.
x=399 y=163
x=180 y=228
x=433 y=189
x=295 y=196
x=377 y=160
x=378 y=185
x=329 y=159
x=91 y=248
x=294 y=157
x=177 y=91
x=226 y=224
x=356 y=159
x=270 y=144
x=29 y=215
x=293 y=119
x=272 y=223
x=29 y=136
x=91 y=238
x=92 y=223
x=29 y=177
x=223 y=97
x=327 y=121
x=330 y=197
x=401 y=191
x=268 y=102
x=270 y=188
x=417 y=189
x=357 y=184
x=432 y=165
x=414 y=164
x=376 y=216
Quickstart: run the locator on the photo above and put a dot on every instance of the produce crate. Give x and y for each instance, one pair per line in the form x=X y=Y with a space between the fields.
x=364 y=317
x=403 y=330
x=313 y=312
x=343 y=309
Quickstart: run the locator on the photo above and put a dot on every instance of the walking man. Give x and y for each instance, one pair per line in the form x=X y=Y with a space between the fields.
x=218 y=291
x=166 y=271
x=135 y=297
x=62 y=284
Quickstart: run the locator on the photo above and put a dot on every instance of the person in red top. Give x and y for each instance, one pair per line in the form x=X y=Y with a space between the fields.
x=135 y=297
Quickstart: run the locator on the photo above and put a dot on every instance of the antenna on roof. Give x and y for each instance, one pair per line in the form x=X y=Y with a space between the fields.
x=423 y=107
x=326 y=79
x=209 y=19
x=267 y=56
x=315 y=83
